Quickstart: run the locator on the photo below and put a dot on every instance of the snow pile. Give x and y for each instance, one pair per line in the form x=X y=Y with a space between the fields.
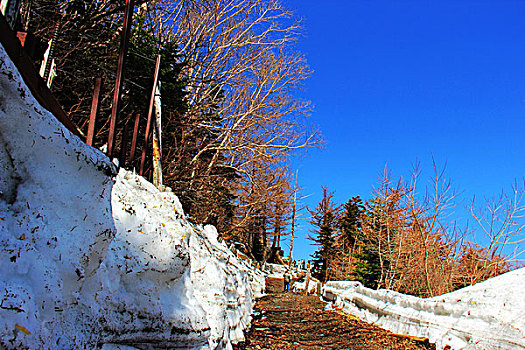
x=177 y=267
x=488 y=315
x=275 y=269
x=278 y=271
x=55 y=224
x=92 y=262
x=314 y=286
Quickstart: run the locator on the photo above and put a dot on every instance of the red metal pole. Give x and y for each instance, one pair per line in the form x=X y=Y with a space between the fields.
x=134 y=140
x=150 y=110
x=124 y=40
x=124 y=144
x=94 y=111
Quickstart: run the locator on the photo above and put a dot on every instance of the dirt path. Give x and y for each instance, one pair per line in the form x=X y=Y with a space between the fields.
x=291 y=321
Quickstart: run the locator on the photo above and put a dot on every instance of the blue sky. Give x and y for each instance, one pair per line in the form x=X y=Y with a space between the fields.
x=399 y=81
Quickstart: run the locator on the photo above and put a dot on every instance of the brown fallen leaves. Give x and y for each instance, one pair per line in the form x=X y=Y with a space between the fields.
x=291 y=321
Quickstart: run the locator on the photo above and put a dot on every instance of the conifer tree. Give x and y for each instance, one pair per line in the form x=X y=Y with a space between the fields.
x=324 y=219
x=349 y=231
x=367 y=265
x=350 y=223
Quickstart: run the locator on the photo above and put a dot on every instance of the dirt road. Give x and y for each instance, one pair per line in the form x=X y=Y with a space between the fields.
x=291 y=321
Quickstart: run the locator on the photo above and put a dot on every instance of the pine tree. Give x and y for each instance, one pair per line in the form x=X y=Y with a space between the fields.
x=367 y=268
x=324 y=219
x=368 y=264
x=350 y=223
x=349 y=231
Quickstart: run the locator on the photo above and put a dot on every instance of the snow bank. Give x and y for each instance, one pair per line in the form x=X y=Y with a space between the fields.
x=313 y=286
x=55 y=223
x=179 y=272
x=488 y=315
x=275 y=269
x=90 y=261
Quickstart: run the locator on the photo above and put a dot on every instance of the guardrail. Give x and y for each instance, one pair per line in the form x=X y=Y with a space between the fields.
x=29 y=73
x=44 y=96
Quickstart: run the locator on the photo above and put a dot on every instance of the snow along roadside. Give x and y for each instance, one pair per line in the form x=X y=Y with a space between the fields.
x=215 y=290
x=94 y=261
x=488 y=315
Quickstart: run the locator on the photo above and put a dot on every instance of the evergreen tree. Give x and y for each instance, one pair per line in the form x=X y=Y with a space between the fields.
x=144 y=47
x=324 y=219
x=350 y=223
x=349 y=231
x=367 y=268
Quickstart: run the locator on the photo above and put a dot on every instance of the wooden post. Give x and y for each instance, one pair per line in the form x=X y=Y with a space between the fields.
x=150 y=110
x=307 y=279
x=134 y=140
x=124 y=40
x=157 y=143
x=94 y=111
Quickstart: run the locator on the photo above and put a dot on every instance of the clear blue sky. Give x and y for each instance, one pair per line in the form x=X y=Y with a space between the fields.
x=396 y=81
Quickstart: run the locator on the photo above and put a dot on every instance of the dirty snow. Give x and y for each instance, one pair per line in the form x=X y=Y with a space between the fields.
x=488 y=315
x=313 y=286
x=92 y=259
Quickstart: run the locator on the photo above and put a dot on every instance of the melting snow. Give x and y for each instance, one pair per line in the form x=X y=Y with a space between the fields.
x=488 y=315
x=94 y=259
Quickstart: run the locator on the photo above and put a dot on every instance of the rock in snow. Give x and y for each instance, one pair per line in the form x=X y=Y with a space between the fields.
x=92 y=259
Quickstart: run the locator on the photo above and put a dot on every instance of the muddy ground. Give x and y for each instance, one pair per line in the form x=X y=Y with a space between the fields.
x=292 y=321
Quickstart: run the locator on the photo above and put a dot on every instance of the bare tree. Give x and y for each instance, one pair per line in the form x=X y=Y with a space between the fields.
x=239 y=66
x=501 y=221
x=410 y=235
x=242 y=119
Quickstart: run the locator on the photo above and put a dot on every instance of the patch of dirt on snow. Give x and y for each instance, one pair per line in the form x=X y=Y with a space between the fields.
x=292 y=321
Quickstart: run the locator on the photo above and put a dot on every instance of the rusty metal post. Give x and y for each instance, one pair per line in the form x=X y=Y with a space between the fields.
x=150 y=174
x=124 y=40
x=150 y=110
x=94 y=111
x=134 y=140
x=124 y=144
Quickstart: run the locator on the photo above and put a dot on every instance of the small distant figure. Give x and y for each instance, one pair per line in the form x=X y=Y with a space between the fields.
x=287 y=279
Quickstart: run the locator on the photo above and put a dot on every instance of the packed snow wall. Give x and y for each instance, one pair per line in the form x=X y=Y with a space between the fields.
x=92 y=259
x=488 y=315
